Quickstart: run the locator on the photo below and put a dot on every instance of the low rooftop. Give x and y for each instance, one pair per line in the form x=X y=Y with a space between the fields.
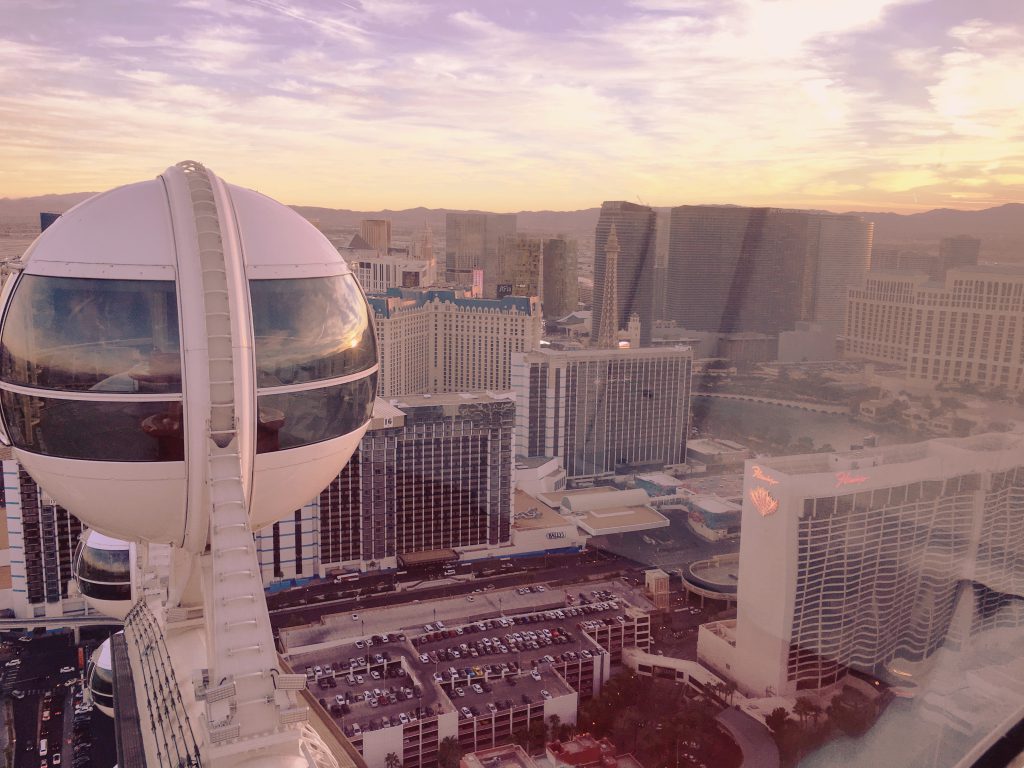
x=509 y=756
x=585 y=750
x=530 y=513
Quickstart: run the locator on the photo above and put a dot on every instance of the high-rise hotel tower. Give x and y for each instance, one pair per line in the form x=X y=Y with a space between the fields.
x=736 y=269
x=862 y=560
x=603 y=409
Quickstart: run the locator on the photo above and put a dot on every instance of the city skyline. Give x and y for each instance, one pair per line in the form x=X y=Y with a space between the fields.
x=902 y=106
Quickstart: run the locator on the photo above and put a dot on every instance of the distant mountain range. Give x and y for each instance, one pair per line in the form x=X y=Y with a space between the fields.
x=1003 y=223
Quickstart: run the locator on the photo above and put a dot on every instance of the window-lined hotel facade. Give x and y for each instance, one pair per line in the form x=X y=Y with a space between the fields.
x=601 y=410
x=862 y=560
x=41 y=541
x=968 y=328
x=433 y=472
x=439 y=341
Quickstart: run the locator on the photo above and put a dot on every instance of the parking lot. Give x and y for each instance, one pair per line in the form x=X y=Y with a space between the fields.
x=498 y=647
x=487 y=697
x=374 y=681
x=501 y=650
x=40 y=675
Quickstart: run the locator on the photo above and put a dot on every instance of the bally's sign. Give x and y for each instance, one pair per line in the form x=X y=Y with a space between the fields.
x=556 y=534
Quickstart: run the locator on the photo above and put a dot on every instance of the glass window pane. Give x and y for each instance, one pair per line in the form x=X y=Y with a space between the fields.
x=310 y=329
x=111 y=566
x=105 y=591
x=81 y=334
x=292 y=419
x=77 y=429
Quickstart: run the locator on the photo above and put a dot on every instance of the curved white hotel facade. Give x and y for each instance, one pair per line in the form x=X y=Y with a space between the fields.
x=858 y=560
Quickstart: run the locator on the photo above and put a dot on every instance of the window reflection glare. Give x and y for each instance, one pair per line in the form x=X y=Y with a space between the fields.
x=310 y=329
x=81 y=334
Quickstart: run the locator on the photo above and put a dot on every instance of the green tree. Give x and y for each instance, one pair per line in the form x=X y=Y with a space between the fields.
x=449 y=752
x=625 y=729
x=391 y=760
x=536 y=734
x=804 y=444
x=554 y=727
x=777 y=721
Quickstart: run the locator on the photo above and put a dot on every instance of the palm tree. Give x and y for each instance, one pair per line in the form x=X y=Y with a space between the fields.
x=727 y=689
x=391 y=760
x=449 y=752
x=804 y=707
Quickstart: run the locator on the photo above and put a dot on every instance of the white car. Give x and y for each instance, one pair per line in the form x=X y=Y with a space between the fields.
x=477 y=688
x=13 y=663
x=65 y=670
x=535 y=674
x=424 y=658
x=545 y=694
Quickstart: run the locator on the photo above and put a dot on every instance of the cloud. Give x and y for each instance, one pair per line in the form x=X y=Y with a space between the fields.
x=397 y=102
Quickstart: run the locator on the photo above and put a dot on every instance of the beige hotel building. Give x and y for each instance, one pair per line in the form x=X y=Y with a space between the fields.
x=968 y=327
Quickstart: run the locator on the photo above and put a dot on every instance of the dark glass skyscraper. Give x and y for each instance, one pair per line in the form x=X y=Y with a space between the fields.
x=635 y=226
x=738 y=269
x=761 y=269
x=561 y=290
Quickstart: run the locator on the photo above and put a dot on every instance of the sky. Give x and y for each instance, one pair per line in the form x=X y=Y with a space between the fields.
x=898 y=105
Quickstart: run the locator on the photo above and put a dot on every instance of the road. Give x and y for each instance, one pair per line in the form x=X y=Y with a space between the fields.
x=307 y=604
x=678 y=546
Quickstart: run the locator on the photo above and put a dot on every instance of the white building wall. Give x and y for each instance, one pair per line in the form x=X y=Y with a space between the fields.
x=377 y=744
x=16 y=541
x=564 y=706
x=769 y=551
